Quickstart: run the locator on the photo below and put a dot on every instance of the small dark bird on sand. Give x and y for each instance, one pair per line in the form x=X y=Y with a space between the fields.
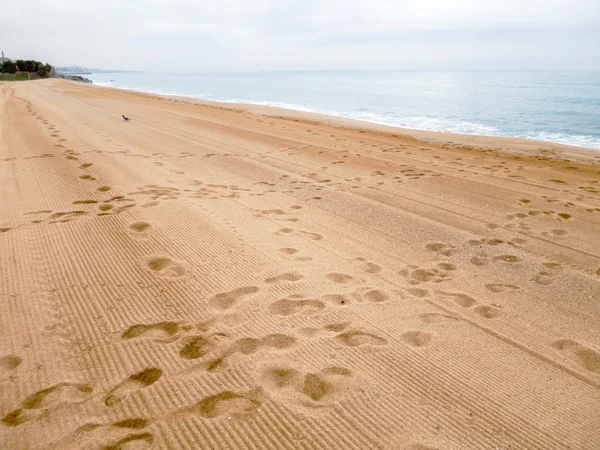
x=126 y=119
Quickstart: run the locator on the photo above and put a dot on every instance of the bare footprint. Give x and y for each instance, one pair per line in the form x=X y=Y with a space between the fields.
x=313 y=236
x=441 y=248
x=134 y=383
x=499 y=288
x=479 y=261
x=227 y=403
x=585 y=357
x=416 y=338
x=196 y=347
x=138 y=440
x=488 y=312
x=543 y=279
x=416 y=292
x=85 y=202
x=10 y=362
x=367 y=266
x=357 y=338
x=59 y=394
x=156 y=330
x=436 y=318
x=461 y=299
x=140 y=227
x=164 y=266
x=290 y=276
x=313 y=389
x=341 y=278
x=225 y=300
x=289 y=306
x=371 y=294
x=288 y=251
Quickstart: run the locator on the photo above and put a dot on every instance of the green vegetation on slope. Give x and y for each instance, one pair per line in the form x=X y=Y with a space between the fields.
x=13 y=77
x=30 y=66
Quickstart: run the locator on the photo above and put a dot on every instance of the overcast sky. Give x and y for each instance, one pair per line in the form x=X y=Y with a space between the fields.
x=213 y=35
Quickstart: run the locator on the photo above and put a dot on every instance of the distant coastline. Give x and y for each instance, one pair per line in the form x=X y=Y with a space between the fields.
x=80 y=70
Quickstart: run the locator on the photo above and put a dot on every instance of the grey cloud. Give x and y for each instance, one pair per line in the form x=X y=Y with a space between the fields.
x=310 y=34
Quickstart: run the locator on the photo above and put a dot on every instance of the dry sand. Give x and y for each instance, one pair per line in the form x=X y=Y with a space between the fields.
x=231 y=278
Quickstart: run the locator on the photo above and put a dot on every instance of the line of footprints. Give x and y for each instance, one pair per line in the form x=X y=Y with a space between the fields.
x=215 y=350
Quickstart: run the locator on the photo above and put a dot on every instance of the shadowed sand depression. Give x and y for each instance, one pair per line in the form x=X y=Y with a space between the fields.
x=210 y=276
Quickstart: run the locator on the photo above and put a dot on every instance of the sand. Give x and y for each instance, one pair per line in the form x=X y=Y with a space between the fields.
x=209 y=276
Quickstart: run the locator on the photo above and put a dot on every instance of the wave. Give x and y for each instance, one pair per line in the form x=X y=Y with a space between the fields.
x=423 y=123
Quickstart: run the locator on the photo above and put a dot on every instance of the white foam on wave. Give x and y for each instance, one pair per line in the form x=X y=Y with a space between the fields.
x=416 y=122
x=104 y=83
x=275 y=104
x=568 y=139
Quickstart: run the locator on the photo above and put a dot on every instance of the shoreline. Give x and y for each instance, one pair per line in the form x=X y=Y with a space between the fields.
x=524 y=146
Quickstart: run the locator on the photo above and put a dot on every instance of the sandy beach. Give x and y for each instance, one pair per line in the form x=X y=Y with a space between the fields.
x=211 y=276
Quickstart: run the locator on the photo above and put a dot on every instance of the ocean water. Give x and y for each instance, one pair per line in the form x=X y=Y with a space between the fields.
x=561 y=107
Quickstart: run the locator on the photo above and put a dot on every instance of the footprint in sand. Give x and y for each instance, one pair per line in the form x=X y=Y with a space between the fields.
x=357 y=338
x=275 y=341
x=227 y=404
x=138 y=229
x=225 y=300
x=461 y=299
x=500 y=288
x=289 y=277
x=440 y=248
x=243 y=346
x=312 y=389
x=437 y=318
x=135 y=440
x=340 y=278
x=488 y=312
x=196 y=347
x=293 y=306
x=416 y=338
x=165 y=267
x=371 y=294
x=479 y=260
x=543 y=279
x=584 y=356
x=418 y=275
x=313 y=236
x=162 y=331
x=109 y=436
x=46 y=399
x=419 y=293
x=85 y=202
x=367 y=266
x=134 y=383
x=9 y=362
